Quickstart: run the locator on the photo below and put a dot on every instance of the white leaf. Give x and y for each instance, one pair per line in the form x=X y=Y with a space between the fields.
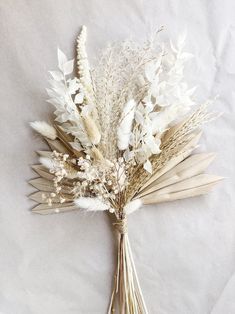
x=181 y=39
x=153 y=144
x=139 y=118
x=151 y=70
x=173 y=47
x=148 y=166
x=62 y=59
x=125 y=125
x=79 y=98
x=57 y=75
x=128 y=155
x=73 y=85
x=68 y=67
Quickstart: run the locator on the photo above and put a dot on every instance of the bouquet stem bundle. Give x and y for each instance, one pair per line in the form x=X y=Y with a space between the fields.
x=126 y=296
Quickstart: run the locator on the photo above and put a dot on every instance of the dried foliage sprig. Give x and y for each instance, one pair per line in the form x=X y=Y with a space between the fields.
x=123 y=136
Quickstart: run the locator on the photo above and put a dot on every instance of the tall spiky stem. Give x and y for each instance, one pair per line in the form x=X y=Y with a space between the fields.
x=84 y=74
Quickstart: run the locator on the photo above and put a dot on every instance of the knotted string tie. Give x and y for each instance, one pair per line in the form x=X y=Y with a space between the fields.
x=121 y=225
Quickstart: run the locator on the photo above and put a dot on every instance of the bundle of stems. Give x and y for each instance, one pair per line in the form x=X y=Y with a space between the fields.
x=126 y=296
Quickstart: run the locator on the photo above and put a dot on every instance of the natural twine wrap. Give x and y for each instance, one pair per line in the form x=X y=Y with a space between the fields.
x=121 y=225
x=127 y=296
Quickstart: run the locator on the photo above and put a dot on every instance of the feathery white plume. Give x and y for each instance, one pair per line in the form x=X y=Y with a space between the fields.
x=91 y=204
x=125 y=125
x=44 y=129
x=132 y=206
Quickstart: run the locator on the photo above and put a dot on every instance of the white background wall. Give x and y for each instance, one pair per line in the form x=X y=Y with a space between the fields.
x=63 y=264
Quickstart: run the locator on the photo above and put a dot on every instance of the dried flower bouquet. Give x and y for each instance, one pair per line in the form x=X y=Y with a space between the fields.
x=122 y=137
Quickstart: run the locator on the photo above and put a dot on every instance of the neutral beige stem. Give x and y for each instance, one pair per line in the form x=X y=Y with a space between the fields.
x=126 y=297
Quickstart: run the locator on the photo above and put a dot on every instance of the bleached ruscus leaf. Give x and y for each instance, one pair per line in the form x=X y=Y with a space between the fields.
x=62 y=59
x=125 y=125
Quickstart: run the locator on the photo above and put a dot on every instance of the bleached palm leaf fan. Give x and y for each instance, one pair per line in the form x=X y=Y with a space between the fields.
x=123 y=136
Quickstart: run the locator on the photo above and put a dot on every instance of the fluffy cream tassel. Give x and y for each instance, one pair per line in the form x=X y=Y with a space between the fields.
x=91 y=204
x=96 y=154
x=132 y=206
x=125 y=126
x=44 y=129
x=92 y=130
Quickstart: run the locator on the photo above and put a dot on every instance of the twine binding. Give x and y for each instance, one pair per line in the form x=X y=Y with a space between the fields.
x=127 y=297
x=121 y=225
